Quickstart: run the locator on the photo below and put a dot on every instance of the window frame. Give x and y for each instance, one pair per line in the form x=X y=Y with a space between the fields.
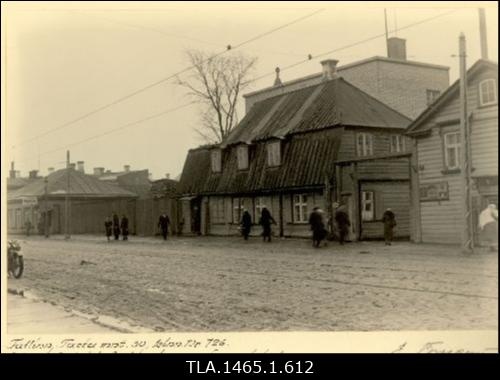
x=218 y=212
x=216 y=160
x=273 y=154
x=400 y=144
x=458 y=151
x=371 y=217
x=242 y=156
x=301 y=216
x=237 y=210
x=495 y=94
x=367 y=144
x=258 y=204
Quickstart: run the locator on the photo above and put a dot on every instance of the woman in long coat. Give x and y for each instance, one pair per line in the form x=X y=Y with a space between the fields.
x=124 y=227
x=266 y=220
x=246 y=224
x=108 y=226
x=316 y=220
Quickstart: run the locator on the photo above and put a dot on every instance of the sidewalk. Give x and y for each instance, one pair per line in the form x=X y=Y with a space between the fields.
x=27 y=316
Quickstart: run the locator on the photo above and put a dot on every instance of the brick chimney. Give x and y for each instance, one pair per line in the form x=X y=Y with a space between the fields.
x=72 y=165
x=329 y=69
x=167 y=176
x=12 y=172
x=396 y=48
x=80 y=166
x=126 y=168
x=98 y=171
x=50 y=170
x=482 y=34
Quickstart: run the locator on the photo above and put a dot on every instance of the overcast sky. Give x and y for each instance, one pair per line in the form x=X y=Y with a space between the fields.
x=66 y=59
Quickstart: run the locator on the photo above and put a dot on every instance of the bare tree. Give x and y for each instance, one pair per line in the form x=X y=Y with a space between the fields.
x=217 y=83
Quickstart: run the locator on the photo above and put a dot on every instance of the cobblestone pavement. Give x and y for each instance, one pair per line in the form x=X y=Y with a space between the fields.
x=226 y=284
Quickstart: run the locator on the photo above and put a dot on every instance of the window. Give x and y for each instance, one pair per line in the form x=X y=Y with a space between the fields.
x=487 y=92
x=364 y=144
x=367 y=206
x=274 y=154
x=216 y=158
x=397 y=144
x=238 y=206
x=300 y=208
x=452 y=150
x=432 y=95
x=217 y=210
x=259 y=205
x=242 y=153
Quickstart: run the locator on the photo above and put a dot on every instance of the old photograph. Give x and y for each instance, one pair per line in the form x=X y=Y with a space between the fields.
x=249 y=167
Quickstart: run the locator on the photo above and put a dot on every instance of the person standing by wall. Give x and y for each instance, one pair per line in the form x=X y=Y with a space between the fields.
x=116 y=226
x=28 y=226
x=488 y=225
x=316 y=220
x=246 y=224
x=389 y=220
x=266 y=219
x=124 y=227
x=343 y=223
x=108 y=227
x=163 y=223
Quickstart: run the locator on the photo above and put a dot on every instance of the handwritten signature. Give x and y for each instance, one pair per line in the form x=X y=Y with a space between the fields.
x=439 y=347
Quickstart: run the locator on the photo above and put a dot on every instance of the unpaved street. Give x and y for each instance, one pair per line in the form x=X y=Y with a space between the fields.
x=225 y=284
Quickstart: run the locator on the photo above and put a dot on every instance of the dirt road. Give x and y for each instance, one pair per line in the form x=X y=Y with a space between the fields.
x=225 y=284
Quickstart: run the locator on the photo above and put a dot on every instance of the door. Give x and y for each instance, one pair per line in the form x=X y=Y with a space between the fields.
x=196 y=216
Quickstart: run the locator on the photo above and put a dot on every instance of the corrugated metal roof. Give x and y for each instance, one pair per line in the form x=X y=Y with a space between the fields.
x=81 y=185
x=327 y=104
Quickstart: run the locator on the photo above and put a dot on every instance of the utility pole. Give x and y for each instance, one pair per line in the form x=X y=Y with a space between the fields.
x=468 y=226
x=66 y=199
x=386 y=32
x=46 y=217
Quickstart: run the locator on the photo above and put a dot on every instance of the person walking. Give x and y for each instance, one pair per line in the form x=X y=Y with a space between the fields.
x=124 y=227
x=266 y=219
x=316 y=220
x=343 y=223
x=389 y=220
x=28 y=226
x=163 y=224
x=246 y=224
x=108 y=226
x=488 y=225
x=116 y=226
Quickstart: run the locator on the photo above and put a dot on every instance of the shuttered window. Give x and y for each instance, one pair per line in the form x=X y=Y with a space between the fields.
x=274 y=153
x=452 y=150
x=367 y=206
x=216 y=160
x=242 y=153
x=487 y=92
x=364 y=144
x=300 y=208
x=397 y=144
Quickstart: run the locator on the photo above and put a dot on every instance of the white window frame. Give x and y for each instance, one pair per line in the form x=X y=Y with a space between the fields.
x=216 y=160
x=242 y=156
x=366 y=146
x=482 y=85
x=259 y=205
x=367 y=215
x=300 y=208
x=238 y=209
x=398 y=143
x=274 y=153
x=457 y=146
x=432 y=95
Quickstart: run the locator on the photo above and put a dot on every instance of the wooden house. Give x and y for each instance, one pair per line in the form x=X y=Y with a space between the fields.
x=90 y=200
x=291 y=152
x=438 y=199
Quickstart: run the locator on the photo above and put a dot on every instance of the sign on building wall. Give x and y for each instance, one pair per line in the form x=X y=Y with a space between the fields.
x=29 y=201
x=437 y=191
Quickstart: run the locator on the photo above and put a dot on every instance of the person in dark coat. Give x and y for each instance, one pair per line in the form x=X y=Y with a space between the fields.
x=266 y=219
x=28 y=227
x=316 y=220
x=246 y=224
x=389 y=220
x=124 y=227
x=116 y=226
x=343 y=223
x=163 y=224
x=108 y=226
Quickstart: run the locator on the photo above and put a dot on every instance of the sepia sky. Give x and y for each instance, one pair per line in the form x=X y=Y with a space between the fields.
x=62 y=60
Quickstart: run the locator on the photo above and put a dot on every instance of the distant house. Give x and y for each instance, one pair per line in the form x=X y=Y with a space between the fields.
x=91 y=200
x=438 y=199
x=136 y=181
x=309 y=147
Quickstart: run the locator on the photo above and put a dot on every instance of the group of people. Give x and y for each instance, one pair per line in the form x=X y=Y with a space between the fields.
x=266 y=220
x=115 y=226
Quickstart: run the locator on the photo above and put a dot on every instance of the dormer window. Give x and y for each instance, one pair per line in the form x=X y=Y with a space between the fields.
x=242 y=154
x=216 y=160
x=397 y=144
x=274 y=153
x=487 y=92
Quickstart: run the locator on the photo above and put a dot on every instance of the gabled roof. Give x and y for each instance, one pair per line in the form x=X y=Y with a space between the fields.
x=164 y=187
x=80 y=185
x=418 y=125
x=327 y=104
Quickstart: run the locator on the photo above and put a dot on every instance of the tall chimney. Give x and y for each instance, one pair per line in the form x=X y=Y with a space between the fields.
x=329 y=69
x=126 y=168
x=396 y=48
x=482 y=34
x=12 y=172
x=80 y=166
